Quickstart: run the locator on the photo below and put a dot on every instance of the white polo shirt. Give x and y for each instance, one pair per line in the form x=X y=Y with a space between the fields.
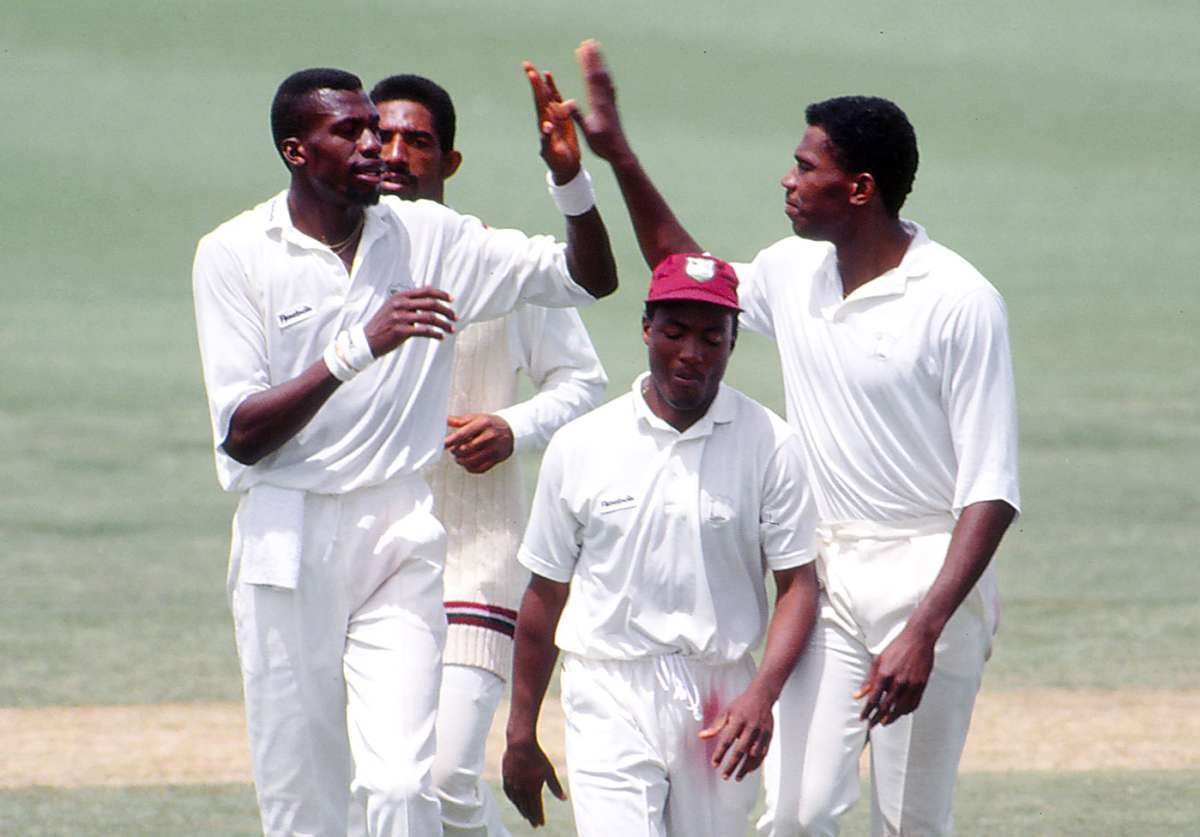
x=269 y=299
x=664 y=536
x=903 y=392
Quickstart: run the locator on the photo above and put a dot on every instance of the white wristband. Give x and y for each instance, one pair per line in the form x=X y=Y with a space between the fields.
x=358 y=350
x=575 y=197
x=348 y=353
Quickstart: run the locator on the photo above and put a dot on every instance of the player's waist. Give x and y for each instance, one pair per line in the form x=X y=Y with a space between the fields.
x=835 y=531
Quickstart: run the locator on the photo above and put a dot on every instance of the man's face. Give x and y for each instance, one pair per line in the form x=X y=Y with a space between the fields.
x=689 y=346
x=817 y=189
x=338 y=151
x=416 y=165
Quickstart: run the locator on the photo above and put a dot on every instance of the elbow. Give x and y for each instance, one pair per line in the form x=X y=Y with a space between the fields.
x=240 y=450
x=599 y=283
x=596 y=274
x=607 y=285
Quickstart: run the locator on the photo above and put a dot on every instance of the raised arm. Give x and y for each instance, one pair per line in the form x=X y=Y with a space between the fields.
x=589 y=255
x=659 y=232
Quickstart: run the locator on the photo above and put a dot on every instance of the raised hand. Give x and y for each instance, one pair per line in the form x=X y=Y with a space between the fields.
x=560 y=145
x=601 y=126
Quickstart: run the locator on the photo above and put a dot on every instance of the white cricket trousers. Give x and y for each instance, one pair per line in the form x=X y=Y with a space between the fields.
x=466 y=707
x=872 y=578
x=341 y=674
x=635 y=762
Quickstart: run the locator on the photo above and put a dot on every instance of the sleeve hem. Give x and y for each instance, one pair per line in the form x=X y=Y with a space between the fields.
x=791 y=559
x=536 y=565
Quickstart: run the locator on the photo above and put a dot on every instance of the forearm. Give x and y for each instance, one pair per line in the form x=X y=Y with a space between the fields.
x=973 y=542
x=658 y=231
x=534 y=657
x=791 y=626
x=564 y=398
x=589 y=255
x=268 y=419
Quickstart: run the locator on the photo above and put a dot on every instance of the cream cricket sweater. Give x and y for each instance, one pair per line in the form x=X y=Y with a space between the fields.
x=484 y=514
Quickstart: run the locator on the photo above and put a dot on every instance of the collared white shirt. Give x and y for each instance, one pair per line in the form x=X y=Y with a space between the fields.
x=664 y=536
x=903 y=391
x=553 y=348
x=270 y=298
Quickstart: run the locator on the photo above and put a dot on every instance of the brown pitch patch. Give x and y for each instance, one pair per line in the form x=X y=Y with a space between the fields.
x=205 y=743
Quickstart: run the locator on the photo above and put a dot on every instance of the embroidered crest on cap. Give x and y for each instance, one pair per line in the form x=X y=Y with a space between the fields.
x=700 y=269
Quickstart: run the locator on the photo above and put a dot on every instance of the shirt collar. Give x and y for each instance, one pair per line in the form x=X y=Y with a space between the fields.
x=720 y=411
x=279 y=222
x=894 y=282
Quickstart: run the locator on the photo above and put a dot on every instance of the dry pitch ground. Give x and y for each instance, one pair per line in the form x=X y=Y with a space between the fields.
x=204 y=743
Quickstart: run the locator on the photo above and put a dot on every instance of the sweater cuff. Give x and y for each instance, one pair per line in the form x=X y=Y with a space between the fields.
x=525 y=436
x=472 y=645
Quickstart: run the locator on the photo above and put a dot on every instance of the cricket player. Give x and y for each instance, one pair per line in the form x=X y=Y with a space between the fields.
x=326 y=322
x=478 y=489
x=655 y=520
x=898 y=377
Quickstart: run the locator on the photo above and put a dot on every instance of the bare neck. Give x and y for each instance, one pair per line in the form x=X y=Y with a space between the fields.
x=338 y=226
x=319 y=218
x=869 y=251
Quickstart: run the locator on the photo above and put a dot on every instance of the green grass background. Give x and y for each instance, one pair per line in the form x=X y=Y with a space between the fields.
x=1109 y=803
x=1059 y=155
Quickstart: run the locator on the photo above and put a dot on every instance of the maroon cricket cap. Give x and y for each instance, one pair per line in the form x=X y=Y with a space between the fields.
x=693 y=276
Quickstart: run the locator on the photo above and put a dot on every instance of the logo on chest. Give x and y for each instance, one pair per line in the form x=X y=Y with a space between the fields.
x=608 y=505
x=296 y=315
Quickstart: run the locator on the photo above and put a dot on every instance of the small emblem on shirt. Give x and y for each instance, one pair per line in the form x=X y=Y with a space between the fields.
x=288 y=318
x=719 y=509
x=883 y=345
x=612 y=504
x=700 y=269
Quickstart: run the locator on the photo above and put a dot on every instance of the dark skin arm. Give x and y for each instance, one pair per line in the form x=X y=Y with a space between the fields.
x=525 y=767
x=658 y=231
x=589 y=255
x=742 y=732
x=266 y=420
x=898 y=676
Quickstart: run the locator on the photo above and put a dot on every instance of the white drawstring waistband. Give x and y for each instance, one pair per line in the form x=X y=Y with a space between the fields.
x=674 y=676
x=842 y=530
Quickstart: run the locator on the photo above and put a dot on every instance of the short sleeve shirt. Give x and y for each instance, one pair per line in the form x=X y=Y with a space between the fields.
x=903 y=391
x=665 y=537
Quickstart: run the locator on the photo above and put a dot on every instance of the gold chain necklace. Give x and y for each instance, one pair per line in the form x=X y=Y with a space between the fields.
x=341 y=245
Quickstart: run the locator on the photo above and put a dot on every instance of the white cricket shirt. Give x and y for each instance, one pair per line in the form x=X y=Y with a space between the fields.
x=553 y=347
x=270 y=298
x=903 y=392
x=665 y=537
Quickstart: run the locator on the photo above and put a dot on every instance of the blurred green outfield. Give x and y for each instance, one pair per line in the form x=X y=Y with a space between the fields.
x=1059 y=155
